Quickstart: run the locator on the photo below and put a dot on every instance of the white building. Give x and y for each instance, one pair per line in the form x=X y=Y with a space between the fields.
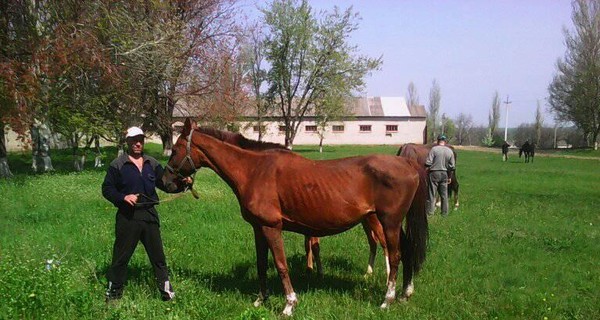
x=375 y=120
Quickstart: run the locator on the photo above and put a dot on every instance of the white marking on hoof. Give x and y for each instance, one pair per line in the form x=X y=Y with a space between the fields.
x=410 y=289
x=291 y=303
x=369 y=270
x=258 y=302
x=390 y=295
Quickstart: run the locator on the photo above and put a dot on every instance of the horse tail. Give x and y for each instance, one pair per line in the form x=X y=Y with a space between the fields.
x=417 y=229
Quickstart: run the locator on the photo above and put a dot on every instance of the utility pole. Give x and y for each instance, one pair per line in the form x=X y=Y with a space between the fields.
x=506 y=121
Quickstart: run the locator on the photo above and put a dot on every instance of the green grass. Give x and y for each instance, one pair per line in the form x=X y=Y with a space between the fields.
x=524 y=244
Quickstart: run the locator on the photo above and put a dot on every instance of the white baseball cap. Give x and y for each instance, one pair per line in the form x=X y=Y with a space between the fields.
x=134 y=131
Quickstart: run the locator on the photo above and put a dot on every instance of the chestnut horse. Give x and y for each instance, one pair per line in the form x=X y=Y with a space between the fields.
x=371 y=225
x=280 y=190
x=419 y=153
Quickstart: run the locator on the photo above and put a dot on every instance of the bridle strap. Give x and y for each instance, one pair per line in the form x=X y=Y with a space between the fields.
x=188 y=158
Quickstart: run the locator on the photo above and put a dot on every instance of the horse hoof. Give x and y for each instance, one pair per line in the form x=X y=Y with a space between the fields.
x=288 y=310
x=403 y=299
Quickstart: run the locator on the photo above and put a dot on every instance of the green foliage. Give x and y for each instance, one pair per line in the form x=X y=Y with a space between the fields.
x=488 y=140
x=573 y=92
x=313 y=68
x=523 y=245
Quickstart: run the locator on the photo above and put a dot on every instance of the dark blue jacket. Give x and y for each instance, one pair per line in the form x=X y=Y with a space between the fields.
x=123 y=178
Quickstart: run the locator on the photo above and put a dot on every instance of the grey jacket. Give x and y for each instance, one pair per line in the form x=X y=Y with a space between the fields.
x=440 y=158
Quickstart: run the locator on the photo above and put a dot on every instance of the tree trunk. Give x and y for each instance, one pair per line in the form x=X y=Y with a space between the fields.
x=78 y=156
x=167 y=142
x=4 y=169
x=321 y=144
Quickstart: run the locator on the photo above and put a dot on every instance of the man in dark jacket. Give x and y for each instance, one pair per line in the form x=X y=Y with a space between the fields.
x=130 y=184
x=505 y=147
x=439 y=163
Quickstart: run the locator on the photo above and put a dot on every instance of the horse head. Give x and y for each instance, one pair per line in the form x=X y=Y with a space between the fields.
x=184 y=160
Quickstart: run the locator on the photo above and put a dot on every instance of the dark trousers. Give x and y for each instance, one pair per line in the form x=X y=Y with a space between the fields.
x=127 y=234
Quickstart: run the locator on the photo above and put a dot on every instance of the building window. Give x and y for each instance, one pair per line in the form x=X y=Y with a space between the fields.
x=255 y=128
x=281 y=128
x=391 y=128
x=337 y=128
x=310 y=128
x=365 y=128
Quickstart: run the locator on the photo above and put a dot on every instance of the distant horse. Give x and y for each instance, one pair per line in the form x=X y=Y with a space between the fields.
x=371 y=225
x=529 y=150
x=419 y=152
x=280 y=190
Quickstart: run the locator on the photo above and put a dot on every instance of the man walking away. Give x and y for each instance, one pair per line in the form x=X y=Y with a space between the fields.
x=505 y=146
x=439 y=163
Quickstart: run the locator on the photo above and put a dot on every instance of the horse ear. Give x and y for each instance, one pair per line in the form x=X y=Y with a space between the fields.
x=187 y=127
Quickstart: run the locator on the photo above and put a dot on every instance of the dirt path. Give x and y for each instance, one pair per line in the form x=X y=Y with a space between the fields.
x=516 y=151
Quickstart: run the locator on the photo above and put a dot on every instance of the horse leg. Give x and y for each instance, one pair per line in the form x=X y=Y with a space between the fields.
x=408 y=287
x=391 y=229
x=309 y=253
x=312 y=248
x=262 y=250
x=275 y=242
x=372 y=247
x=377 y=235
x=455 y=191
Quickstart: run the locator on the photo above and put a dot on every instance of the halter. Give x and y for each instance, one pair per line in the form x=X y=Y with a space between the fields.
x=187 y=158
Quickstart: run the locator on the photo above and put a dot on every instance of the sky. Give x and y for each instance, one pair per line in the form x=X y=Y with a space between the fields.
x=472 y=48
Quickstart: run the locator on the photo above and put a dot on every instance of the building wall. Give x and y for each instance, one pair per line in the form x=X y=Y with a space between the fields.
x=13 y=143
x=409 y=131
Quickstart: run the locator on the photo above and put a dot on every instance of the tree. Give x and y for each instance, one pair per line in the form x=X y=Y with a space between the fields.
x=254 y=58
x=539 y=123
x=170 y=51
x=575 y=88
x=310 y=60
x=22 y=68
x=435 y=97
x=464 y=124
x=413 y=96
x=448 y=127
x=493 y=119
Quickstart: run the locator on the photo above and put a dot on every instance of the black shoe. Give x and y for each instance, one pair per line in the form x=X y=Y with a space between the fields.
x=166 y=291
x=113 y=292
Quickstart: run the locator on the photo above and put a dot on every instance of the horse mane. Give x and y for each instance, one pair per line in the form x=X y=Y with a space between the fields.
x=239 y=140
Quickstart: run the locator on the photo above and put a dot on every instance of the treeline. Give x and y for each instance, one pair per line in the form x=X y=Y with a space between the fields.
x=89 y=69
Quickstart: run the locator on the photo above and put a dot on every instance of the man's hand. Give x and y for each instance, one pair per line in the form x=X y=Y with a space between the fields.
x=131 y=199
x=188 y=180
x=449 y=180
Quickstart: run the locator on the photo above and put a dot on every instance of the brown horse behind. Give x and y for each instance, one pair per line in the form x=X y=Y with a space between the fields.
x=419 y=153
x=281 y=190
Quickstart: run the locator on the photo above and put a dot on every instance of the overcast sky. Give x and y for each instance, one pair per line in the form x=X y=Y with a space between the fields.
x=473 y=48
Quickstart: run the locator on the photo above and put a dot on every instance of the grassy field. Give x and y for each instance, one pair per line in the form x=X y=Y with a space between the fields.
x=523 y=245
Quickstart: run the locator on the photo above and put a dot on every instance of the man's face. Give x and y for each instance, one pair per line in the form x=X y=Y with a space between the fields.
x=136 y=145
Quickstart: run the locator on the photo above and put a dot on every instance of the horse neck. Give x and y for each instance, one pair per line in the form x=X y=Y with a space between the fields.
x=227 y=160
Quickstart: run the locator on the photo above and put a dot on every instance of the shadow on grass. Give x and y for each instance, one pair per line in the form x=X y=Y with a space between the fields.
x=242 y=278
